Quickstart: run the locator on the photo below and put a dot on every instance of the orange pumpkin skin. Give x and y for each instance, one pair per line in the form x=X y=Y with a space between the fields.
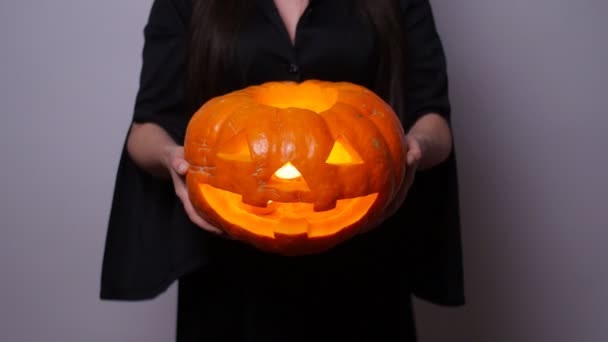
x=344 y=146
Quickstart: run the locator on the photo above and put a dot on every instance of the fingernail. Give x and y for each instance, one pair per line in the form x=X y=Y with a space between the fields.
x=182 y=168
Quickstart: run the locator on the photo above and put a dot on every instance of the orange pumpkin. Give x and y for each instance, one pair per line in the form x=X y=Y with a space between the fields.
x=294 y=168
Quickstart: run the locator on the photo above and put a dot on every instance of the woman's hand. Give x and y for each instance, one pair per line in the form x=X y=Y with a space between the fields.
x=153 y=150
x=414 y=155
x=178 y=167
x=429 y=143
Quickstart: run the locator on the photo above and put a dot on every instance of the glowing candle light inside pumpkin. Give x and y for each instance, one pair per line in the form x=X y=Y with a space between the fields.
x=288 y=171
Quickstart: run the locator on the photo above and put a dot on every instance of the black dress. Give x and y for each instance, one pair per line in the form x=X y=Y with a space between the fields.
x=228 y=291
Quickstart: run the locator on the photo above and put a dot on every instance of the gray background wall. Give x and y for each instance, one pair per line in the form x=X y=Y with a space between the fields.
x=529 y=95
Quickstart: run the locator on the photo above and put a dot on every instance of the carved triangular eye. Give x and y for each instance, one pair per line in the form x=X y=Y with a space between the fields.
x=343 y=153
x=237 y=148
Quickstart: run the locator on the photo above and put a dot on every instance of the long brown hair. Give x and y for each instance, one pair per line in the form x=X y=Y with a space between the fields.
x=215 y=24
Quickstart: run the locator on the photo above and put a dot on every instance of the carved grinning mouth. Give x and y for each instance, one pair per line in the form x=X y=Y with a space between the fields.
x=286 y=218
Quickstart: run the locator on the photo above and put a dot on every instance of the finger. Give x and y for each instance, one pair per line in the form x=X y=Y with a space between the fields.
x=199 y=221
x=182 y=193
x=194 y=216
x=178 y=163
x=180 y=166
x=413 y=157
x=414 y=152
x=409 y=179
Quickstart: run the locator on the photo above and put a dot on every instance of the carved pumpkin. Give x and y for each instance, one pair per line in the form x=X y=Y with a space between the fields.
x=294 y=168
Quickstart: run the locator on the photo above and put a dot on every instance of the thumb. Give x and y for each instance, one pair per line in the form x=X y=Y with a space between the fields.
x=180 y=166
x=178 y=163
x=414 y=153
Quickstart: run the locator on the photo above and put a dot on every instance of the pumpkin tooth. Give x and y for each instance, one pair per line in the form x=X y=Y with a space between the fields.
x=270 y=208
x=325 y=205
x=291 y=227
x=253 y=201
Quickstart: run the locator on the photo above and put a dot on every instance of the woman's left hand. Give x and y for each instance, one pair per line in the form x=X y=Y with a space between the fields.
x=428 y=143
x=413 y=157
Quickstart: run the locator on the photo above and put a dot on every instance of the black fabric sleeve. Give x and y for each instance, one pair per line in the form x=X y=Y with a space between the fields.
x=429 y=219
x=426 y=80
x=150 y=241
x=160 y=96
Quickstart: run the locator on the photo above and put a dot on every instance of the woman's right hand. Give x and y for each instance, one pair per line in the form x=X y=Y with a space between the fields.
x=178 y=167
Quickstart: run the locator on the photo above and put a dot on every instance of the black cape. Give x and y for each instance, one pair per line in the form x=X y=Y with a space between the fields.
x=151 y=242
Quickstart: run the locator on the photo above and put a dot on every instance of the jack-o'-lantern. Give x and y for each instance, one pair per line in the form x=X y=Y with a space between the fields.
x=294 y=168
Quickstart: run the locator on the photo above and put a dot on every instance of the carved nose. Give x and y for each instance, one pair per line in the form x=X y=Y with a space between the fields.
x=288 y=178
x=287 y=172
